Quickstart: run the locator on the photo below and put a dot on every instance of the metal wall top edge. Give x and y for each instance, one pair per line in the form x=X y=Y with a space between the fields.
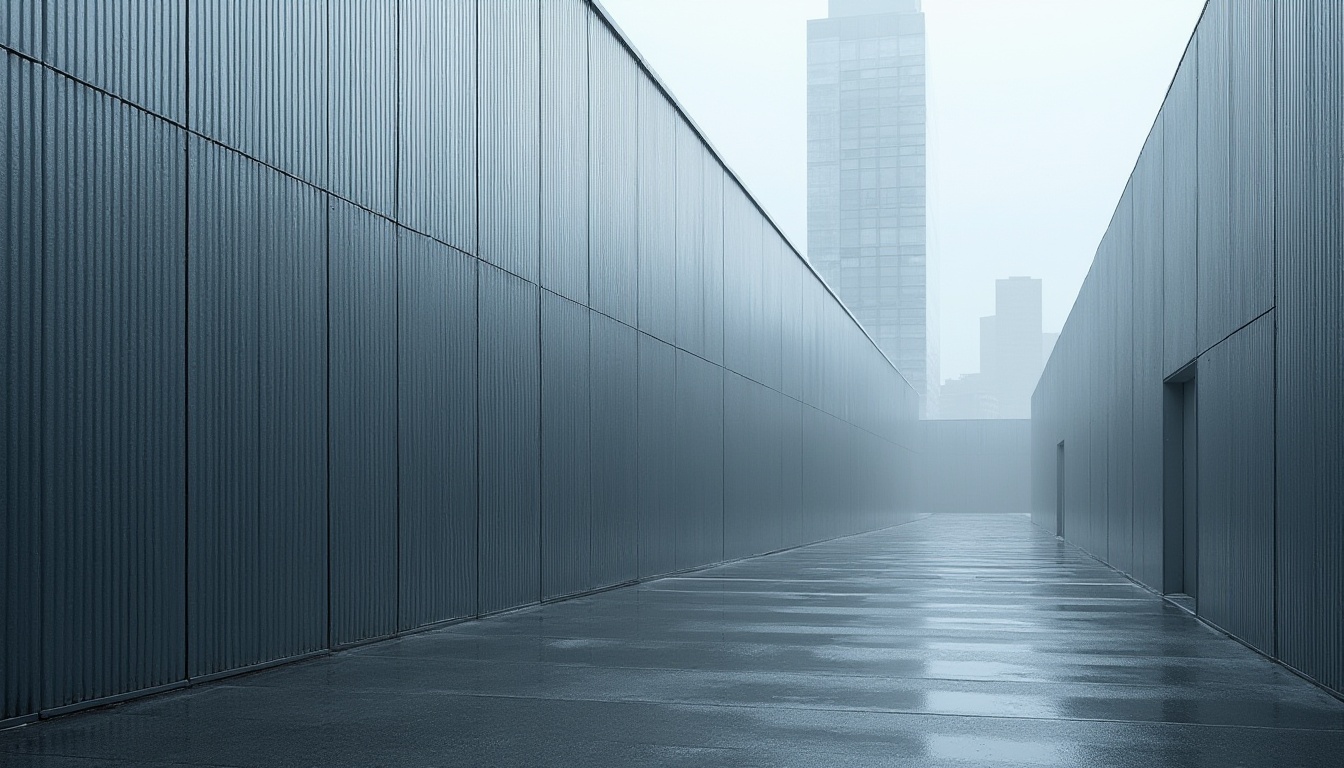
x=643 y=63
x=1185 y=54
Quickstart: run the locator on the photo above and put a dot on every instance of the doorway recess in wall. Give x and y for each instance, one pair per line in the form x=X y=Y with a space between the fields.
x=1180 y=502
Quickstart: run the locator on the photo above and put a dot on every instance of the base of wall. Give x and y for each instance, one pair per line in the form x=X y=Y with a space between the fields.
x=1186 y=604
x=121 y=698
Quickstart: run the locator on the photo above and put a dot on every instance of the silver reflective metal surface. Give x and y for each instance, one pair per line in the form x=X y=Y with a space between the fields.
x=328 y=322
x=1214 y=279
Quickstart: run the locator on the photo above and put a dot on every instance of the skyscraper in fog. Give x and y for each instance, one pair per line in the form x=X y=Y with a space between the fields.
x=866 y=174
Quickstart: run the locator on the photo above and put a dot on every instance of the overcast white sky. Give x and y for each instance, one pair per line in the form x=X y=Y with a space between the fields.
x=1037 y=112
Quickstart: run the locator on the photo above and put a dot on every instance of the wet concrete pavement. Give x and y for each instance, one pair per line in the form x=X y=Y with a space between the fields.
x=951 y=641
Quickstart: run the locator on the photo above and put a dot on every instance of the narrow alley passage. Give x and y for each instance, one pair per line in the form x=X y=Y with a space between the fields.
x=950 y=641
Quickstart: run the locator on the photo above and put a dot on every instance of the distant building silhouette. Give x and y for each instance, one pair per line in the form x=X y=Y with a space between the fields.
x=1013 y=351
x=866 y=175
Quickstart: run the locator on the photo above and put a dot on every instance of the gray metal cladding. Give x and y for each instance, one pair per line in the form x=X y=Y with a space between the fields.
x=1120 y=453
x=1236 y=164
x=21 y=26
x=658 y=511
x=794 y=275
x=1247 y=186
x=258 y=80
x=362 y=102
x=813 y=342
x=257 y=415
x=657 y=212
x=699 y=461
x=742 y=299
x=791 y=469
x=615 y=450
x=509 y=100
x=437 y=413
x=1148 y=373
x=1250 y=259
x=564 y=148
x=613 y=187
x=775 y=252
x=276 y=379
x=1236 y=484
x=114 y=412
x=715 y=180
x=1180 y=205
x=690 y=239
x=134 y=49
x=22 y=190
x=753 y=460
x=1309 y=388
x=509 y=537
x=224 y=411
x=363 y=439
x=566 y=429
x=436 y=124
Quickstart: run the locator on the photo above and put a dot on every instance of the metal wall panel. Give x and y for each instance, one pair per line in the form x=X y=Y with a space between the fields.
x=21 y=26
x=257 y=414
x=1214 y=272
x=509 y=98
x=337 y=181
x=566 y=488
x=1310 y=287
x=510 y=441
x=293 y=418
x=794 y=275
x=436 y=166
x=362 y=102
x=223 y=411
x=1147 y=376
x=657 y=212
x=690 y=239
x=741 y=282
x=1269 y=538
x=1236 y=484
x=743 y=506
x=613 y=187
x=753 y=460
x=134 y=49
x=1120 y=474
x=114 y=415
x=564 y=148
x=615 y=441
x=1180 y=223
x=437 y=406
x=699 y=462
x=657 y=451
x=771 y=315
x=713 y=272
x=363 y=447
x=1250 y=257
x=791 y=461
x=23 y=122
x=257 y=74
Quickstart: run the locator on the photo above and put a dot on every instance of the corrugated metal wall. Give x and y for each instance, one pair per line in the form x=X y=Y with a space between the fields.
x=1309 y=369
x=114 y=365
x=22 y=197
x=1234 y=232
x=412 y=312
x=363 y=437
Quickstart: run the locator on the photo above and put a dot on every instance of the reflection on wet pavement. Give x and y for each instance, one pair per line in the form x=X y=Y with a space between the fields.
x=951 y=641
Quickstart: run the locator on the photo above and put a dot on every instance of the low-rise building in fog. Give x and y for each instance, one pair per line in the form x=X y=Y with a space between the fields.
x=1013 y=351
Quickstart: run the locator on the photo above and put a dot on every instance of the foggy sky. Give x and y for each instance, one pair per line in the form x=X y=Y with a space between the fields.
x=1037 y=112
